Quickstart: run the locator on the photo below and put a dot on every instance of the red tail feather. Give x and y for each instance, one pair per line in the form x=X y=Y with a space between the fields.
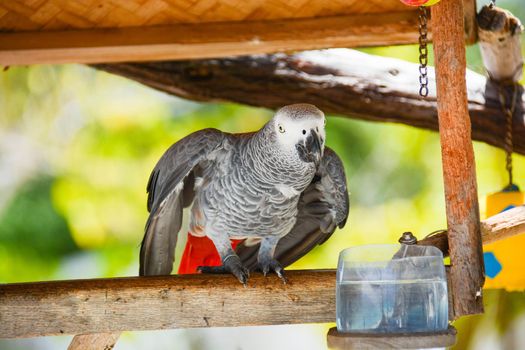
x=200 y=251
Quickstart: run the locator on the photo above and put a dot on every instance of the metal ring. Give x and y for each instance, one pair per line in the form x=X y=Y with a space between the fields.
x=423 y=91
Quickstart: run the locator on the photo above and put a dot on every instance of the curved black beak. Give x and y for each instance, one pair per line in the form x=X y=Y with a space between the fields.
x=313 y=149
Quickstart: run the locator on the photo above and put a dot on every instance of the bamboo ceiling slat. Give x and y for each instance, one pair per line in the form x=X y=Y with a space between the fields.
x=41 y=15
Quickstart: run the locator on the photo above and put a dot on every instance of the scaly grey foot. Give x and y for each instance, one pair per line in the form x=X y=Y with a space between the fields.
x=231 y=264
x=275 y=266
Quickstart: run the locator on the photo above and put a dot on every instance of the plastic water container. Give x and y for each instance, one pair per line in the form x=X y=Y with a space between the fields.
x=391 y=289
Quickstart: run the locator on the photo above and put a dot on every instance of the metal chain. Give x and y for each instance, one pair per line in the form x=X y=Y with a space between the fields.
x=508 y=109
x=423 y=51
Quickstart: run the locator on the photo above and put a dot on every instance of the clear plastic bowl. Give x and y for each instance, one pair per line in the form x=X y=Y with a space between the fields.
x=391 y=289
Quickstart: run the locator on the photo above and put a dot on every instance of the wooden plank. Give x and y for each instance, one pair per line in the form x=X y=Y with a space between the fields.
x=179 y=301
x=339 y=81
x=459 y=171
x=362 y=341
x=96 y=341
x=208 y=40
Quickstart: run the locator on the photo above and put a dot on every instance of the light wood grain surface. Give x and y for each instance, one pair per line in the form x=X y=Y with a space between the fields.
x=146 y=303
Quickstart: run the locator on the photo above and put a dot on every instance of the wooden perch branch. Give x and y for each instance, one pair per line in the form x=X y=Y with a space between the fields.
x=339 y=81
x=179 y=301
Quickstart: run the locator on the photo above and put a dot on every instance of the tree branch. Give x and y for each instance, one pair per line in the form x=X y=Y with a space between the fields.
x=500 y=226
x=339 y=81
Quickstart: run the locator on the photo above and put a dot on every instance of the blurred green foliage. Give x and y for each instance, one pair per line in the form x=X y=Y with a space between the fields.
x=32 y=211
x=32 y=230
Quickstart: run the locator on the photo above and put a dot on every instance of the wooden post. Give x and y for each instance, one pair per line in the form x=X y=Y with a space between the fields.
x=459 y=172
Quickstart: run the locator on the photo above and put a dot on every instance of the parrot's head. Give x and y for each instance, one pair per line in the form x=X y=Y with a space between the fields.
x=300 y=128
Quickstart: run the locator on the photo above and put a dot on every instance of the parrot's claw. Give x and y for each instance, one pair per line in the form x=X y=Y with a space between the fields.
x=232 y=264
x=273 y=265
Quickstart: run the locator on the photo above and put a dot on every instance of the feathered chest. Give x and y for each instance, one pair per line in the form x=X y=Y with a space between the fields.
x=259 y=170
x=250 y=194
x=253 y=190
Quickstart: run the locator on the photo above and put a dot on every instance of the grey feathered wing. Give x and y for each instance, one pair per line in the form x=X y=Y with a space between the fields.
x=323 y=206
x=170 y=189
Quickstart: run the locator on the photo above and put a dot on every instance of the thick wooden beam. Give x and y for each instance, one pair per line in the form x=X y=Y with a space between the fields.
x=101 y=308
x=459 y=171
x=179 y=301
x=206 y=40
x=339 y=81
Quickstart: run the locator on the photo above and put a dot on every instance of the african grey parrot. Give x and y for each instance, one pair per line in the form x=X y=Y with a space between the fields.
x=278 y=189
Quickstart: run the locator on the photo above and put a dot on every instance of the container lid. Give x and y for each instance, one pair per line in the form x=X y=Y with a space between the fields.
x=392 y=263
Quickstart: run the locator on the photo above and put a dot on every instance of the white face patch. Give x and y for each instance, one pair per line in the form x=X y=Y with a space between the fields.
x=291 y=131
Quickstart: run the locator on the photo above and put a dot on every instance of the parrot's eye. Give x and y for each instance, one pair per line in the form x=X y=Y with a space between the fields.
x=281 y=128
x=304 y=132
